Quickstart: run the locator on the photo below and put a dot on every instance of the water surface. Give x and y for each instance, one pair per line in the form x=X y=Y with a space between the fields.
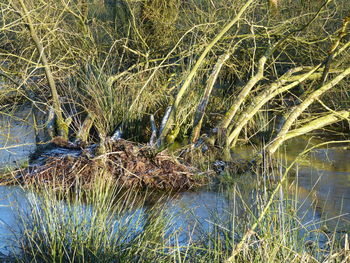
x=321 y=185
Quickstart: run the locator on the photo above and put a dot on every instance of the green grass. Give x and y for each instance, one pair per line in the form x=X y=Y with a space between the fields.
x=94 y=226
x=110 y=225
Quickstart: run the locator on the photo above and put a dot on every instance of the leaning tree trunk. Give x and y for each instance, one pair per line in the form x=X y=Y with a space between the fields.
x=278 y=88
x=318 y=124
x=281 y=136
x=245 y=91
x=198 y=119
x=260 y=100
x=264 y=97
x=194 y=70
x=84 y=131
x=61 y=125
x=332 y=50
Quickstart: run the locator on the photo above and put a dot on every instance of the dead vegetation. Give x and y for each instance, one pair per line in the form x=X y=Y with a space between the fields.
x=128 y=164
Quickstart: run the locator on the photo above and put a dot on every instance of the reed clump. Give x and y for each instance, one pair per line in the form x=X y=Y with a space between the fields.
x=92 y=226
x=105 y=224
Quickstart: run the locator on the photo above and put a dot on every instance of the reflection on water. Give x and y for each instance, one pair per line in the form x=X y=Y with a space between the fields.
x=328 y=186
x=17 y=137
x=324 y=177
x=323 y=188
x=12 y=200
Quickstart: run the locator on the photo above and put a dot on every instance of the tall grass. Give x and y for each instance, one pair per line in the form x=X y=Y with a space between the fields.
x=109 y=225
x=104 y=225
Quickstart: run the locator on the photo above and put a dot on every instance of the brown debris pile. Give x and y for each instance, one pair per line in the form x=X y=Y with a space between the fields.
x=128 y=164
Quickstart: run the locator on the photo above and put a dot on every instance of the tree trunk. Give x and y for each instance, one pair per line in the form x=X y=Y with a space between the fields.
x=194 y=70
x=271 y=148
x=198 y=119
x=61 y=125
x=84 y=131
x=230 y=114
x=318 y=124
x=264 y=97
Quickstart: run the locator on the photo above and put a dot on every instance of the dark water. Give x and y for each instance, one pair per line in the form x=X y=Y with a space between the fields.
x=321 y=185
x=17 y=138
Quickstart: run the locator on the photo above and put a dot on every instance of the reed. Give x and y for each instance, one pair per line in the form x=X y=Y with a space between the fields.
x=105 y=224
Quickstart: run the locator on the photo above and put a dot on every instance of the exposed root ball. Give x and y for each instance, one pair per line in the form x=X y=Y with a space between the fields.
x=127 y=164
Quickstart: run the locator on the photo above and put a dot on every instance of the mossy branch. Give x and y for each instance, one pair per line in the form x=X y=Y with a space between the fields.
x=281 y=136
x=198 y=119
x=62 y=126
x=196 y=67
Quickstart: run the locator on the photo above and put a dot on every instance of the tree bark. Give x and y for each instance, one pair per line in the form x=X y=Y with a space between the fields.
x=264 y=97
x=318 y=124
x=198 y=119
x=194 y=70
x=273 y=146
x=61 y=125
x=84 y=131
